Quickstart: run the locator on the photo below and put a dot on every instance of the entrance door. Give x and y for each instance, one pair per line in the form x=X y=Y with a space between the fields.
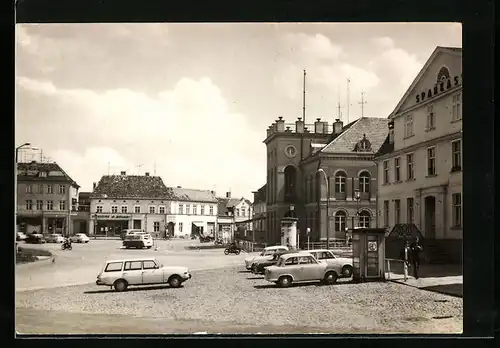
x=137 y=224
x=430 y=217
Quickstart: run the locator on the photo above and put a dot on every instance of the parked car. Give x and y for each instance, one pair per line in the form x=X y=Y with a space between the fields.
x=130 y=232
x=259 y=267
x=20 y=236
x=300 y=267
x=120 y=274
x=266 y=254
x=139 y=240
x=35 y=238
x=341 y=265
x=79 y=238
x=55 y=238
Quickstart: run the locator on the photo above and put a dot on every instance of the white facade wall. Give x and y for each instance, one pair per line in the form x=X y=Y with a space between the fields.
x=199 y=213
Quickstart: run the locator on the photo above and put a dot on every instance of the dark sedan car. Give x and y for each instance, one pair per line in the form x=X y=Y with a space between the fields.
x=35 y=238
x=260 y=267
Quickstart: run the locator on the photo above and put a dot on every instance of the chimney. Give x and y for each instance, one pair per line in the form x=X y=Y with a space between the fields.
x=93 y=186
x=318 y=126
x=228 y=194
x=391 y=132
x=280 y=124
x=123 y=173
x=147 y=173
x=212 y=192
x=299 y=125
x=179 y=186
x=337 y=126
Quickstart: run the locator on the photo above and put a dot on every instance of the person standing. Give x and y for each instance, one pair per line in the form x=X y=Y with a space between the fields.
x=415 y=249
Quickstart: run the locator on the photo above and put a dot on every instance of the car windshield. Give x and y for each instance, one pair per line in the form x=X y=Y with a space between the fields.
x=281 y=262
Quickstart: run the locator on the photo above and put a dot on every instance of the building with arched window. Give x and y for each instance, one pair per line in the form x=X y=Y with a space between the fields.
x=326 y=171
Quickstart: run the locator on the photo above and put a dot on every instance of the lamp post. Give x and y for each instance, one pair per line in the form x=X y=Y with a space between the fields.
x=357 y=196
x=327 y=204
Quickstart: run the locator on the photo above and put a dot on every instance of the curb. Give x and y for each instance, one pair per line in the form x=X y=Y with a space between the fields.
x=426 y=288
x=48 y=259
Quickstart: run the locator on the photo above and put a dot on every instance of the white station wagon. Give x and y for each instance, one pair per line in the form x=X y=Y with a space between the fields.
x=341 y=265
x=141 y=271
x=265 y=255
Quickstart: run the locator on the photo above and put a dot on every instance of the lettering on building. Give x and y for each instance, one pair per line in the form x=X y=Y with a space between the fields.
x=439 y=87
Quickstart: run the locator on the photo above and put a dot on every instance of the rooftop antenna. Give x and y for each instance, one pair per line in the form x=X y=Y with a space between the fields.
x=154 y=171
x=339 y=107
x=348 y=82
x=362 y=102
x=304 y=98
x=109 y=167
x=138 y=167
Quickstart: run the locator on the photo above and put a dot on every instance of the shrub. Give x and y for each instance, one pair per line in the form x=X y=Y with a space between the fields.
x=25 y=255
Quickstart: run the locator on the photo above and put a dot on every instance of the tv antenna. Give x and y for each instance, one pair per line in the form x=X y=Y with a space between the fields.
x=139 y=167
x=362 y=102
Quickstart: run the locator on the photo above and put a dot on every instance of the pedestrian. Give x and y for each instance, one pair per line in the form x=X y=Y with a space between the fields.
x=415 y=250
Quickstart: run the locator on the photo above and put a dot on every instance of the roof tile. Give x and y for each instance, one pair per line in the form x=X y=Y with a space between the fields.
x=193 y=195
x=134 y=186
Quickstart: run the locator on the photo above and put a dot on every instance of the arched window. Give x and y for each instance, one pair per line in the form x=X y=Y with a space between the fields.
x=290 y=182
x=340 y=221
x=364 y=219
x=364 y=182
x=340 y=179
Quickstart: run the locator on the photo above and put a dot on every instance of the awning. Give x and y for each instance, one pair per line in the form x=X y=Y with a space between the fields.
x=198 y=224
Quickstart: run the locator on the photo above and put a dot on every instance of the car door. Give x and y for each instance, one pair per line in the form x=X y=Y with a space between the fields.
x=291 y=267
x=309 y=268
x=151 y=273
x=132 y=272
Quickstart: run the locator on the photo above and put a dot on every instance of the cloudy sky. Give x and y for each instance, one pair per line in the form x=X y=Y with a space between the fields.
x=194 y=100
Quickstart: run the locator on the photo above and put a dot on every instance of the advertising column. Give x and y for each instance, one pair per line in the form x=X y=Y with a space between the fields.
x=289 y=232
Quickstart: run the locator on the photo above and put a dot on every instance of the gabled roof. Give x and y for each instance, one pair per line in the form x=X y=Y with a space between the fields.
x=232 y=202
x=222 y=209
x=438 y=50
x=193 y=195
x=260 y=195
x=373 y=129
x=30 y=171
x=385 y=148
x=133 y=186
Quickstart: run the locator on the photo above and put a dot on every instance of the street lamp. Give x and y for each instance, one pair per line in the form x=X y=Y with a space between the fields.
x=327 y=204
x=357 y=196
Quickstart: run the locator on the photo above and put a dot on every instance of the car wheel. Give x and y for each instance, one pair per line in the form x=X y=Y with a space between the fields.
x=174 y=281
x=285 y=281
x=347 y=271
x=330 y=278
x=120 y=285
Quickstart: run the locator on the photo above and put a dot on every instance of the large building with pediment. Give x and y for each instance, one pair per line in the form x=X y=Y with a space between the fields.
x=326 y=172
x=420 y=164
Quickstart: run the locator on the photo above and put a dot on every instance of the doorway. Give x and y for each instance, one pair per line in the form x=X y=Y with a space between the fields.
x=430 y=217
x=137 y=224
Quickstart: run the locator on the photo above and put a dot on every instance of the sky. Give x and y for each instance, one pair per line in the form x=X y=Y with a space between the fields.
x=192 y=102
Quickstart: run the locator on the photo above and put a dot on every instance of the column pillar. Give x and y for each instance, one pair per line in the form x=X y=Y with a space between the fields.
x=44 y=224
x=91 y=227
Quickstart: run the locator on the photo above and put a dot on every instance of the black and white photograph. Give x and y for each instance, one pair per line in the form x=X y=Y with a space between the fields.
x=238 y=178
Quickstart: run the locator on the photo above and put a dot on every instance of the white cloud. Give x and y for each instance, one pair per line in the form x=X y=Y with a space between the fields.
x=188 y=130
x=317 y=46
x=396 y=63
x=383 y=42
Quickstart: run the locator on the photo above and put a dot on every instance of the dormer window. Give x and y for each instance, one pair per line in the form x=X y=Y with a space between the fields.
x=43 y=174
x=363 y=145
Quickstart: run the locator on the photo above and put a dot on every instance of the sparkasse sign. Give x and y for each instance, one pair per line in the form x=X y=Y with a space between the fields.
x=438 y=88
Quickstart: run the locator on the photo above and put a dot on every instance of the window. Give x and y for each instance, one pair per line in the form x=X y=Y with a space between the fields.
x=62 y=189
x=457 y=209
x=181 y=209
x=409 y=210
x=40 y=188
x=180 y=226
x=156 y=226
x=237 y=212
x=397 y=211
x=43 y=174
x=29 y=188
x=196 y=209
x=50 y=189
x=324 y=255
x=124 y=209
x=306 y=260
x=152 y=209
x=456 y=113
x=202 y=210
x=431 y=161
x=114 y=267
x=386 y=213
x=456 y=150
x=364 y=182
x=133 y=266
x=162 y=210
x=188 y=208
x=340 y=221
x=431 y=121
x=148 y=265
x=386 y=172
x=114 y=209
x=409 y=167
x=29 y=204
x=291 y=261
x=364 y=219
x=99 y=209
x=39 y=205
x=408 y=126
x=397 y=169
x=340 y=182
x=211 y=210
x=50 y=205
x=137 y=209
x=243 y=212
x=62 y=205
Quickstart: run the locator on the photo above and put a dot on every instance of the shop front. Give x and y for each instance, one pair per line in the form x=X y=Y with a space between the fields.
x=110 y=224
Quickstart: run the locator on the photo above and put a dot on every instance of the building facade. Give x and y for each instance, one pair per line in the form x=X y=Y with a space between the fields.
x=46 y=198
x=81 y=218
x=420 y=165
x=234 y=218
x=259 y=219
x=123 y=201
x=192 y=213
x=326 y=173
